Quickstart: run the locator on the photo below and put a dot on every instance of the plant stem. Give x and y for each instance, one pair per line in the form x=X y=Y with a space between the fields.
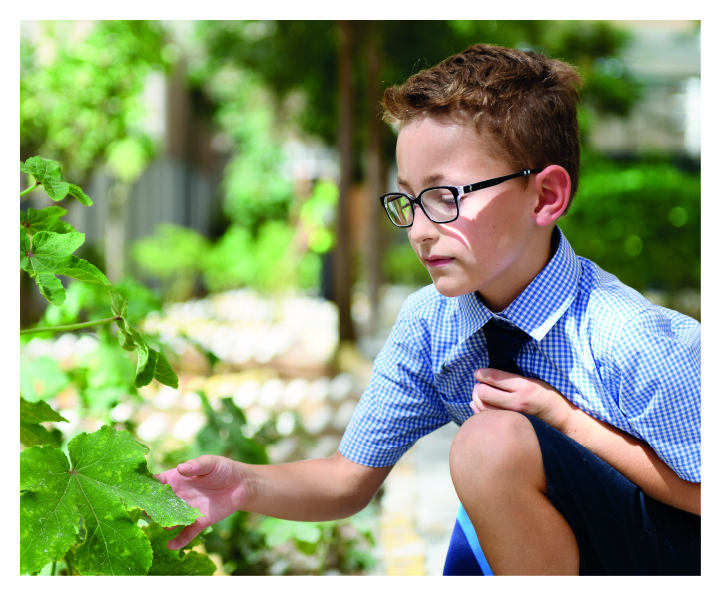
x=69 y=327
x=27 y=190
x=52 y=569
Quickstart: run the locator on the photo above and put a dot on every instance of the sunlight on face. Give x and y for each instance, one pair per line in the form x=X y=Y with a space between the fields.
x=490 y=247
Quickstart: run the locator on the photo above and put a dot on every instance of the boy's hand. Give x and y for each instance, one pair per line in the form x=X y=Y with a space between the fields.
x=499 y=390
x=216 y=485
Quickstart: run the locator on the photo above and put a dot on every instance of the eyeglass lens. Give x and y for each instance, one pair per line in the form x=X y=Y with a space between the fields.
x=439 y=203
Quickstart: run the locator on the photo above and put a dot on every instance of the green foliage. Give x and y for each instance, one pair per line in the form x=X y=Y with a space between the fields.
x=48 y=254
x=326 y=541
x=175 y=562
x=104 y=378
x=84 y=510
x=223 y=435
x=175 y=255
x=270 y=262
x=87 y=302
x=42 y=378
x=306 y=535
x=31 y=415
x=47 y=220
x=152 y=364
x=401 y=265
x=81 y=102
x=317 y=215
x=640 y=221
x=255 y=187
x=105 y=478
x=47 y=173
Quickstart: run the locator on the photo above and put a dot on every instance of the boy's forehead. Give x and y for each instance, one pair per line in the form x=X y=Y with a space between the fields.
x=431 y=149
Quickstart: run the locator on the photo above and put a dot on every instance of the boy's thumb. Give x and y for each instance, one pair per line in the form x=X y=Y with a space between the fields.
x=187 y=468
x=197 y=467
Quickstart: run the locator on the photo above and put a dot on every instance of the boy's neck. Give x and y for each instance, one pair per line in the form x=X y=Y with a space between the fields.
x=540 y=255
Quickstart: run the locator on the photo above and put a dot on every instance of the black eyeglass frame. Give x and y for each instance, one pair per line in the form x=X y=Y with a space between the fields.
x=456 y=191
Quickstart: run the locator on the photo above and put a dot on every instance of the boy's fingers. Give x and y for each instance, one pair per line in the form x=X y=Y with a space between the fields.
x=490 y=397
x=499 y=378
x=197 y=467
x=183 y=538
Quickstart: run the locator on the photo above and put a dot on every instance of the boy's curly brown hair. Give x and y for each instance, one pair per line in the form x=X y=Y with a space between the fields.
x=523 y=101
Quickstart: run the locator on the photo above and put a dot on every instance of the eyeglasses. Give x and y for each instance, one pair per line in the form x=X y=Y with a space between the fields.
x=439 y=203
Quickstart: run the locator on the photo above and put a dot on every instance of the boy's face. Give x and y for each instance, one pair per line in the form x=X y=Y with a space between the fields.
x=495 y=246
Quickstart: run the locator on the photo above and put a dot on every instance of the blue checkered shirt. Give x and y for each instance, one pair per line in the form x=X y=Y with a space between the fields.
x=601 y=344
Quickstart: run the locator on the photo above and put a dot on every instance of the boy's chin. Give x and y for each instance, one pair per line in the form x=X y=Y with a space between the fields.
x=448 y=290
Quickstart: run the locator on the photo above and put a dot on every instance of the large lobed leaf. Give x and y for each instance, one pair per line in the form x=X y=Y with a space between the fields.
x=106 y=476
x=175 y=562
x=47 y=173
x=31 y=415
x=49 y=254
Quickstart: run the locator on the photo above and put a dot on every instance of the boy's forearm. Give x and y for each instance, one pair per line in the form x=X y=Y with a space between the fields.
x=635 y=460
x=312 y=490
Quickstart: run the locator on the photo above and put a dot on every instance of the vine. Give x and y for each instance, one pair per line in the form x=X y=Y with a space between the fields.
x=84 y=508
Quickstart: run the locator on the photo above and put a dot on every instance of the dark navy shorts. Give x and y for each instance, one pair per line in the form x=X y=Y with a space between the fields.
x=619 y=530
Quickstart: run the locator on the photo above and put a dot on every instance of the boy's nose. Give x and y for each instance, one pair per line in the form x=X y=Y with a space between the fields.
x=423 y=229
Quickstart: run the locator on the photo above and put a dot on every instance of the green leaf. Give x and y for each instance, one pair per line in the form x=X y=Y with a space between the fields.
x=34 y=434
x=107 y=475
x=164 y=373
x=47 y=220
x=47 y=172
x=38 y=412
x=49 y=254
x=175 y=562
x=78 y=193
x=31 y=432
x=48 y=516
x=151 y=364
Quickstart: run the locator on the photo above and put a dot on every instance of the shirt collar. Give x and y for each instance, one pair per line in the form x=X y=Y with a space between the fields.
x=539 y=306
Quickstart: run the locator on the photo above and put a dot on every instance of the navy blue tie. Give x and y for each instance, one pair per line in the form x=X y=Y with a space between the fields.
x=503 y=346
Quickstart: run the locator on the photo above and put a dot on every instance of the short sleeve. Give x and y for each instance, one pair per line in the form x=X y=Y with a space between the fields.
x=658 y=370
x=401 y=403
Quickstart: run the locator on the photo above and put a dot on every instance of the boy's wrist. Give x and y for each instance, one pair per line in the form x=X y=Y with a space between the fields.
x=244 y=496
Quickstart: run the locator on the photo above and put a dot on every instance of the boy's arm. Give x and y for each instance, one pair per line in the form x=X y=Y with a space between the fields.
x=634 y=459
x=630 y=456
x=311 y=490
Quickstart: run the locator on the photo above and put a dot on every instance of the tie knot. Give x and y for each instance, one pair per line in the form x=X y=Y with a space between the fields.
x=504 y=343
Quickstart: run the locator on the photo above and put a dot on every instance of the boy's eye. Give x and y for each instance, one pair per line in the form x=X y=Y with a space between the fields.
x=440 y=202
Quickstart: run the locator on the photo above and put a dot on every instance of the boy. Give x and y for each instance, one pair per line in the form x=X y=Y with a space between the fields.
x=583 y=455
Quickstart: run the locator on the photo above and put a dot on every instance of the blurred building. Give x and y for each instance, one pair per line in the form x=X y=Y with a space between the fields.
x=665 y=57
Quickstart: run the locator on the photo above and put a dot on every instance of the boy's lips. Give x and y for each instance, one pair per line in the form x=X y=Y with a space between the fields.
x=437 y=261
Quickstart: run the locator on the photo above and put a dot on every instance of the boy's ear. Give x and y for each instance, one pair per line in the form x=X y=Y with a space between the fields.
x=553 y=188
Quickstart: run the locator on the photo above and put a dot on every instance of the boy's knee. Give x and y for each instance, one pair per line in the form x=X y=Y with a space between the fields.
x=493 y=446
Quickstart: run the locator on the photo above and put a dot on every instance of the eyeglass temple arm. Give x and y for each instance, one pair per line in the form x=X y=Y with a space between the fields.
x=494 y=181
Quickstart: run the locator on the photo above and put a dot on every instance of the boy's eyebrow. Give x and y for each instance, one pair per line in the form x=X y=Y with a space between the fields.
x=429 y=180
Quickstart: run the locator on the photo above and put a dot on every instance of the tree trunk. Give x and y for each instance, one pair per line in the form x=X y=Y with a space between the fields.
x=343 y=270
x=374 y=182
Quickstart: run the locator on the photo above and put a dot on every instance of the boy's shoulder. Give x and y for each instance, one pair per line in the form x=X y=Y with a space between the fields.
x=614 y=311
